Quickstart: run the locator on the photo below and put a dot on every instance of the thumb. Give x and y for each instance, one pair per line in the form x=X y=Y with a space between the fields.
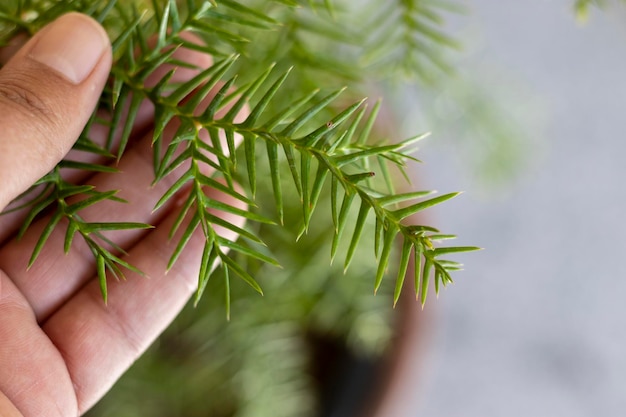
x=48 y=91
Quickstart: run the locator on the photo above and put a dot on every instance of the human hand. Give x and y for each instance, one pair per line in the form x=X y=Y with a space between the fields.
x=61 y=347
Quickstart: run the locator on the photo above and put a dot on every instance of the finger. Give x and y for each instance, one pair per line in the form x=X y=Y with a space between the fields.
x=100 y=342
x=99 y=133
x=6 y=408
x=34 y=377
x=47 y=93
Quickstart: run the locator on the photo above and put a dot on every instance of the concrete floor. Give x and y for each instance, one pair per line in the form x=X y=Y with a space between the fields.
x=536 y=325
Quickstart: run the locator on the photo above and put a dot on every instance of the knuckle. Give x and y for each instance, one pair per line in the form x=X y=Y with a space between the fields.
x=28 y=101
x=18 y=93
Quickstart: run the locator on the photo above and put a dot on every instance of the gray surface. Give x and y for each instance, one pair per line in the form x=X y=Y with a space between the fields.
x=535 y=325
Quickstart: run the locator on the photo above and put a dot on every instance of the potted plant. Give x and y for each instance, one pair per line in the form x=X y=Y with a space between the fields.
x=285 y=146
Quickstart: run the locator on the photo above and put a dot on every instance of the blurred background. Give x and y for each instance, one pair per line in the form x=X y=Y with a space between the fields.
x=535 y=325
x=530 y=125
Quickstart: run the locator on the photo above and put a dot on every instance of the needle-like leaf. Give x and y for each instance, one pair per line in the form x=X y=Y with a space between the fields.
x=408 y=211
x=369 y=124
x=356 y=235
x=184 y=239
x=102 y=276
x=72 y=228
x=291 y=161
x=85 y=166
x=316 y=189
x=334 y=212
x=247 y=251
x=401 y=198
x=215 y=204
x=248 y=11
x=45 y=234
x=418 y=260
x=305 y=168
x=249 y=144
x=176 y=187
x=261 y=106
x=311 y=139
x=243 y=274
x=131 y=116
x=227 y=291
x=209 y=257
x=101 y=227
x=310 y=112
x=286 y=112
x=425 y=280
x=34 y=211
x=383 y=262
x=124 y=36
x=341 y=222
x=272 y=156
x=235 y=110
x=405 y=257
x=454 y=249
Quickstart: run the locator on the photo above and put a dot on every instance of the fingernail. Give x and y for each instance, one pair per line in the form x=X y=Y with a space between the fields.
x=71 y=45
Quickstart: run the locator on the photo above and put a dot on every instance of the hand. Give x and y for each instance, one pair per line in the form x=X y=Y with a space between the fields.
x=61 y=347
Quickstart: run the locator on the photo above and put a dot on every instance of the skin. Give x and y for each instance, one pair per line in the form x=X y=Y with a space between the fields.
x=61 y=347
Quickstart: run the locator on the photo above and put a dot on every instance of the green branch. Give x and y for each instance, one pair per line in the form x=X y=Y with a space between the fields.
x=336 y=151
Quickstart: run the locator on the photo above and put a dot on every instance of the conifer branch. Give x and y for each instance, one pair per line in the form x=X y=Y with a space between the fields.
x=319 y=140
